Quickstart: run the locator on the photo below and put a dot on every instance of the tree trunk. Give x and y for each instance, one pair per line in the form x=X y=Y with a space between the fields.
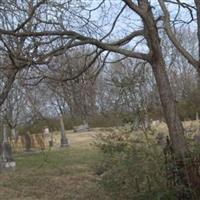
x=8 y=85
x=171 y=115
x=64 y=141
x=197 y=3
x=6 y=150
x=172 y=118
x=175 y=127
x=5 y=134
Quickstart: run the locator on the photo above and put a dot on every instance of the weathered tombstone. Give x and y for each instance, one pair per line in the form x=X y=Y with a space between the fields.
x=63 y=141
x=27 y=140
x=7 y=161
x=7 y=152
x=48 y=137
x=82 y=128
x=46 y=131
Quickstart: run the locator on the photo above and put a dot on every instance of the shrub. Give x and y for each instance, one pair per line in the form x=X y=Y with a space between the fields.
x=132 y=166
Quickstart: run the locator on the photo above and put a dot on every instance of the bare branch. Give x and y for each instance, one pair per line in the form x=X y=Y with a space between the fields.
x=172 y=36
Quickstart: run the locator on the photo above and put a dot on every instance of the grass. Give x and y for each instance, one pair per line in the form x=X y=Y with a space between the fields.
x=58 y=175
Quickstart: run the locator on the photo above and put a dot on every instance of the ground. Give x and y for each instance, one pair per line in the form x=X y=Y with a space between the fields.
x=60 y=174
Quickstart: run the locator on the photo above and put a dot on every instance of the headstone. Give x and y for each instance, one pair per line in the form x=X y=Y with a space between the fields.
x=46 y=131
x=7 y=161
x=7 y=152
x=82 y=128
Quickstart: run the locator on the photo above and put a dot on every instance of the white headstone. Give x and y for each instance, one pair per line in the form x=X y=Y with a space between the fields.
x=46 y=131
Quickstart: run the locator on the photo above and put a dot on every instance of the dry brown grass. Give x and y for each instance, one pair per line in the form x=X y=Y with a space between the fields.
x=59 y=174
x=63 y=174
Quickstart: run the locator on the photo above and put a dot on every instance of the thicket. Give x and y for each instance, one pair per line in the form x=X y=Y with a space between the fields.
x=134 y=166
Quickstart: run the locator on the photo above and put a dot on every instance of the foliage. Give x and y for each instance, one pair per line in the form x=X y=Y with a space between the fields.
x=133 y=166
x=189 y=106
x=109 y=119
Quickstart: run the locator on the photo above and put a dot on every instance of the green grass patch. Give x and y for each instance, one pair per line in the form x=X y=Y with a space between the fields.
x=61 y=174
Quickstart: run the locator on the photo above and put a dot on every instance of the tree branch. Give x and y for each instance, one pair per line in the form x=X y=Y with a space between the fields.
x=172 y=36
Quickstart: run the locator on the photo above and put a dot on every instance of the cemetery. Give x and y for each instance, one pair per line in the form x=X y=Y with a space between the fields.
x=100 y=100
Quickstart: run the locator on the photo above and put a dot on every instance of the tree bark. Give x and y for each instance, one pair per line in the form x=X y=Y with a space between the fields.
x=197 y=3
x=171 y=115
x=5 y=134
x=179 y=147
x=6 y=150
x=8 y=85
x=63 y=141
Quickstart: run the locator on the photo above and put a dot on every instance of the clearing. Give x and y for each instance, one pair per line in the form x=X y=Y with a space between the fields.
x=55 y=175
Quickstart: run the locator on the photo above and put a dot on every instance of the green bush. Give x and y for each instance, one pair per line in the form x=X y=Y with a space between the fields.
x=132 y=167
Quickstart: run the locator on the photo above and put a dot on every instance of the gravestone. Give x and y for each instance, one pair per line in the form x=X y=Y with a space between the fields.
x=7 y=161
x=46 y=131
x=7 y=152
x=82 y=128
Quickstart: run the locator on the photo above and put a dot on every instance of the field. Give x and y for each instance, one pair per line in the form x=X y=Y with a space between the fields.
x=62 y=173
x=55 y=174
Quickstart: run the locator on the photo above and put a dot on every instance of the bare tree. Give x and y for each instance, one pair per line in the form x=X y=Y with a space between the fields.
x=192 y=59
x=51 y=36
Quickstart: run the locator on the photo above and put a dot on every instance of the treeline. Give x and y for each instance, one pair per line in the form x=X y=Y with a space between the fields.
x=125 y=91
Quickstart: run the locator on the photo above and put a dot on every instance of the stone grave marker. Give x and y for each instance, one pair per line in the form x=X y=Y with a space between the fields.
x=82 y=128
x=6 y=162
